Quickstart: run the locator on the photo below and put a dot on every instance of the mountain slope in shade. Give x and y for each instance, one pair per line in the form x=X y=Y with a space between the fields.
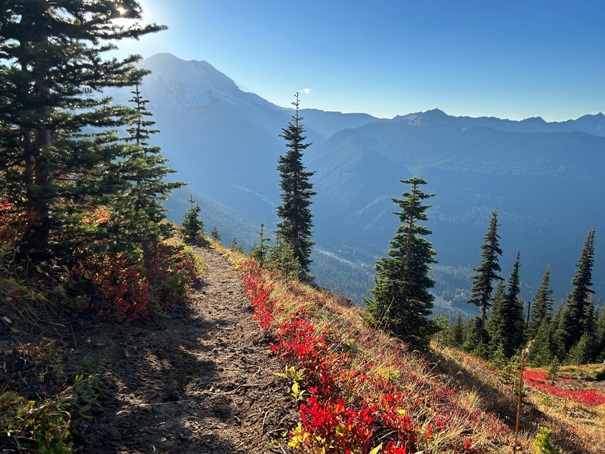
x=543 y=177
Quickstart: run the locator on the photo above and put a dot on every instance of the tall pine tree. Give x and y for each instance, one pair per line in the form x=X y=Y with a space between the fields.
x=295 y=228
x=508 y=327
x=138 y=210
x=488 y=270
x=575 y=315
x=401 y=299
x=53 y=158
x=542 y=307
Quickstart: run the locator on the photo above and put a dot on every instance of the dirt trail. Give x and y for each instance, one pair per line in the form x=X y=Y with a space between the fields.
x=197 y=381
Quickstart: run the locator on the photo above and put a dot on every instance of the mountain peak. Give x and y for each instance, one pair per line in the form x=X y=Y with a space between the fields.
x=429 y=117
x=176 y=84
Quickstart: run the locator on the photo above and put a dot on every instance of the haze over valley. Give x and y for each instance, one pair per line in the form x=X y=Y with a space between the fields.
x=542 y=177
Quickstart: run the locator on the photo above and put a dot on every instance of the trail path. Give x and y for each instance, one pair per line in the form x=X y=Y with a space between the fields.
x=197 y=381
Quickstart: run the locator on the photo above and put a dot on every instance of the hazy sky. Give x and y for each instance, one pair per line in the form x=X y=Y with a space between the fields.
x=507 y=58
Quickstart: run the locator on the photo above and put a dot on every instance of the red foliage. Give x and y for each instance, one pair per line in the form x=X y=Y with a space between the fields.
x=129 y=286
x=341 y=428
x=538 y=379
x=351 y=411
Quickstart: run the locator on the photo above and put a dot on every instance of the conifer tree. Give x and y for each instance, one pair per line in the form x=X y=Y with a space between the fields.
x=53 y=158
x=138 y=208
x=215 y=235
x=477 y=341
x=192 y=226
x=260 y=251
x=510 y=332
x=494 y=323
x=557 y=346
x=282 y=259
x=600 y=335
x=581 y=351
x=296 y=223
x=574 y=317
x=542 y=307
x=540 y=353
x=488 y=270
x=455 y=336
x=235 y=246
x=401 y=299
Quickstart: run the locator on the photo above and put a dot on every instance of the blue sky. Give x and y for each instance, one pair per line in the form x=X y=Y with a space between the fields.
x=507 y=58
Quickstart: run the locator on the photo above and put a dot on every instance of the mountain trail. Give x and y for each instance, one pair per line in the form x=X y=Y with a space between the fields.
x=198 y=380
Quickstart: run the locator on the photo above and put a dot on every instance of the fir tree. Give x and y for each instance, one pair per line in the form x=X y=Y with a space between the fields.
x=261 y=250
x=215 y=235
x=401 y=299
x=574 y=318
x=600 y=334
x=296 y=223
x=455 y=336
x=507 y=322
x=192 y=226
x=542 y=307
x=477 y=341
x=54 y=161
x=540 y=353
x=495 y=322
x=283 y=260
x=581 y=351
x=557 y=346
x=235 y=246
x=488 y=269
x=138 y=210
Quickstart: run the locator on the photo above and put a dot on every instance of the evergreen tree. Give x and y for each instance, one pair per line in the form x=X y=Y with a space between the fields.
x=138 y=210
x=581 y=351
x=542 y=307
x=574 y=318
x=557 y=345
x=509 y=324
x=600 y=335
x=401 y=298
x=488 y=269
x=236 y=247
x=540 y=353
x=495 y=322
x=54 y=161
x=215 y=235
x=261 y=250
x=296 y=223
x=455 y=337
x=477 y=341
x=283 y=260
x=192 y=226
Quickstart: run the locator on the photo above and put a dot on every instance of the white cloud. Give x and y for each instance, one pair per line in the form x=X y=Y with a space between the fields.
x=306 y=91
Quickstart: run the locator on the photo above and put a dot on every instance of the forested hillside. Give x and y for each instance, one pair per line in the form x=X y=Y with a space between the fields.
x=532 y=171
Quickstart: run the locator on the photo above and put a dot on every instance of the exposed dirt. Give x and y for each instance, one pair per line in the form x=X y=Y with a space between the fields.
x=198 y=380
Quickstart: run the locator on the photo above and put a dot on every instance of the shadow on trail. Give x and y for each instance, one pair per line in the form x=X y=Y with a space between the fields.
x=161 y=376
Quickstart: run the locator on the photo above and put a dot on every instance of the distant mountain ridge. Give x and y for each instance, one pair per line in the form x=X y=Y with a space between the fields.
x=543 y=177
x=589 y=124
